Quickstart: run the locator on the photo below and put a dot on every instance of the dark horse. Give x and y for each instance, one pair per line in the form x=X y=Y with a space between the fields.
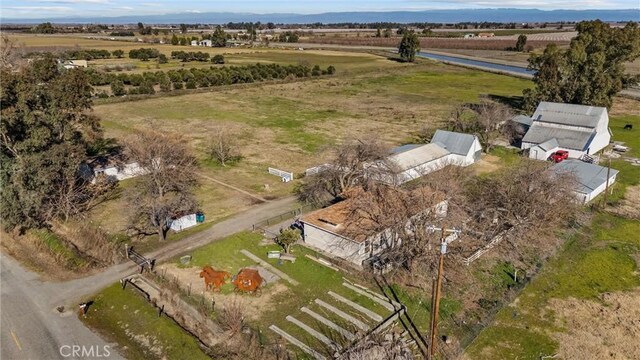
x=628 y=127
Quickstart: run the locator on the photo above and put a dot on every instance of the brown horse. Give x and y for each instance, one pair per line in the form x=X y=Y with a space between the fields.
x=214 y=279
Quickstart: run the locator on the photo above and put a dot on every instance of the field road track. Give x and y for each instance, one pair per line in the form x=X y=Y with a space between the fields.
x=32 y=328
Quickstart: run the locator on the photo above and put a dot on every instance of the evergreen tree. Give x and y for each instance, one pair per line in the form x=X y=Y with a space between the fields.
x=591 y=71
x=408 y=47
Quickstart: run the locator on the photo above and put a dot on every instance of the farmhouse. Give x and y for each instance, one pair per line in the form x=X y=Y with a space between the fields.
x=591 y=179
x=328 y=231
x=579 y=129
x=194 y=42
x=446 y=148
x=206 y=43
x=113 y=168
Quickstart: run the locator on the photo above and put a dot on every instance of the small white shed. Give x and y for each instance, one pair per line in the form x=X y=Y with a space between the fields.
x=591 y=179
x=183 y=222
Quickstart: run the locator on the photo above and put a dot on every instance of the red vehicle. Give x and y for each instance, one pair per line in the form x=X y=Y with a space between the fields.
x=559 y=155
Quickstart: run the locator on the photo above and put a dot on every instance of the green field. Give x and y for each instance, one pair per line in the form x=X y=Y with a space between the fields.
x=125 y=317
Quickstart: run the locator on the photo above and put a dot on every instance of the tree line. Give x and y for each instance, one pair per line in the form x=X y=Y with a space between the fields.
x=194 y=78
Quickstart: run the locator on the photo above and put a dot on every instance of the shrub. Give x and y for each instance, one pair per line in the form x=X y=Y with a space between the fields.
x=217 y=59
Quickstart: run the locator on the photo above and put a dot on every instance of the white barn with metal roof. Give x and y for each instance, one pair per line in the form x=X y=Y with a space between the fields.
x=591 y=179
x=578 y=129
x=446 y=148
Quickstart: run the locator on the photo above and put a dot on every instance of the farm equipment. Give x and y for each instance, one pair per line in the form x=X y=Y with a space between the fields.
x=247 y=280
x=559 y=156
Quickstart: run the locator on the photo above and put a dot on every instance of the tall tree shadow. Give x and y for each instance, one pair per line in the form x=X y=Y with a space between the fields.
x=516 y=102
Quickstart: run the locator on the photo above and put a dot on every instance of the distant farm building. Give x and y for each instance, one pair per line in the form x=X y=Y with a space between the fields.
x=579 y=129
x=411 y=162
x=194 y=42
x=115 y=169
x=72 y=64
x=206 y=43
x=591 y=179
x=469 y=36
x=486 y=35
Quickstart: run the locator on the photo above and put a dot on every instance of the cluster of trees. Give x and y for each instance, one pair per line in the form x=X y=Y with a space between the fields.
x=144 y=54
x=44 y=28
x=147 y=30
x=218 y=38
x=122 y=33
x=45 y=135
x=88 y=54
x=144 y=83
x=185 y=56
x=288 y=36
x=482 y=119
x=591 y=71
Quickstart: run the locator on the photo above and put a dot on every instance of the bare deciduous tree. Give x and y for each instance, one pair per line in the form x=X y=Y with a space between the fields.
x=222 y=147
x=483 y=120
x=165 y=189
x=350 y=167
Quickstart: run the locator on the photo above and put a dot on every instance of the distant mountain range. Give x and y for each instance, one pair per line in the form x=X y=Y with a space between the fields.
x=434 y=16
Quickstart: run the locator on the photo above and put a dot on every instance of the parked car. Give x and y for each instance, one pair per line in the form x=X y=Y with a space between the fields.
x=559 y=156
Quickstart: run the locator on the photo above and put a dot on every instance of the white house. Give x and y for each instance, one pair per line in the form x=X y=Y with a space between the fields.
x=206 y=43
x=194 y=42
x=115 y=172
x=446 y=148
x=578 y=129
x=327 y=230
x=591 y=179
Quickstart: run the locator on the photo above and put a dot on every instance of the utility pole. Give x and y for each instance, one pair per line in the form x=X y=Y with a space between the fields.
x=437 y=283
x=606 y=188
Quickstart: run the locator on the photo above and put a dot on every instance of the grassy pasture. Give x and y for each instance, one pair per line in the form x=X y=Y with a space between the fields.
x=292 y=126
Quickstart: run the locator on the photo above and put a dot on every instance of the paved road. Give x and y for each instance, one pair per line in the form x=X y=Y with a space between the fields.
x=32 y=328
x=491 y=65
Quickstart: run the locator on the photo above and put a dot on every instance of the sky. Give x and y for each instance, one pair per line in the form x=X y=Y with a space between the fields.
x=85 y=8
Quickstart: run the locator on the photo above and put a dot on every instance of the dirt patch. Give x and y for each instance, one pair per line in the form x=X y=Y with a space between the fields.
x=487 y=164
x=146 y=341
x=598 y=330
x=628 y=206
x=191 y=277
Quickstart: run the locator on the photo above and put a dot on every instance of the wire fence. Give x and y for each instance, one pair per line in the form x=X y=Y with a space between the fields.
x=284 y=216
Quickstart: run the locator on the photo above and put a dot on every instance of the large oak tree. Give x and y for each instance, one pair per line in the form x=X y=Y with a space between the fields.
x=45 y=134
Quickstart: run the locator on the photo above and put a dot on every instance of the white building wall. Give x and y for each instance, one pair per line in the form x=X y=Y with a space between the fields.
x=573 y=154
x=421 y=170
x=184 y=222
x=603 y=136
x=334 y=244
x=585 y=198
x=113 y=173
x=537 y=153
